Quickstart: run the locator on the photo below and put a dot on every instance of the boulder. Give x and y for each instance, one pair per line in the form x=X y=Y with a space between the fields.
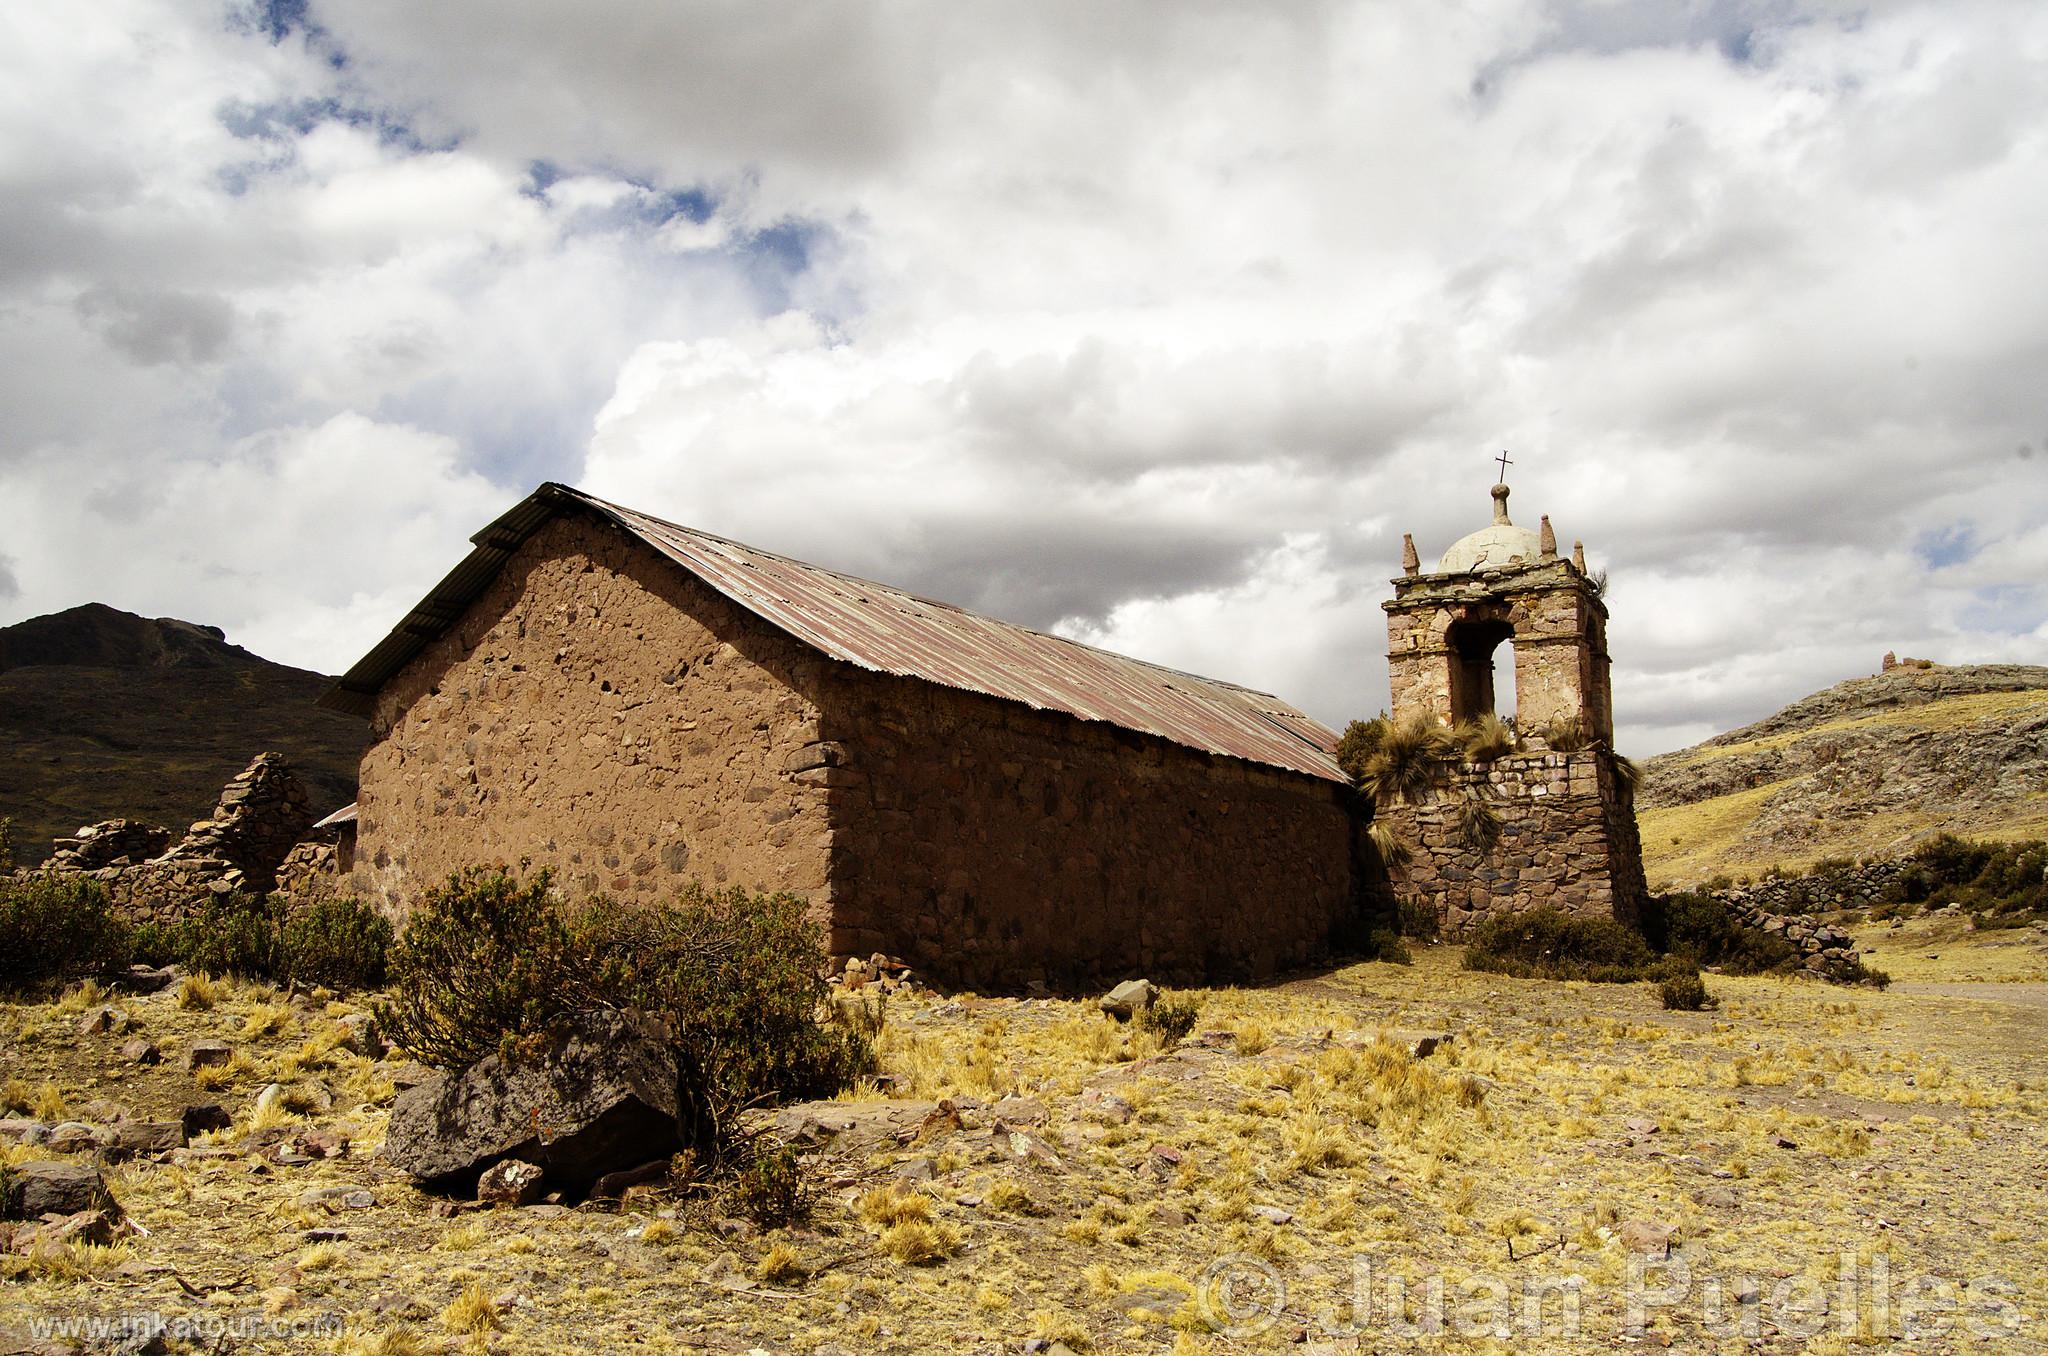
x=1129 y=998
x=600 y=1091
x=199 y=1120
x=140 y=1051
x=38 y=1189
x=203 y=1054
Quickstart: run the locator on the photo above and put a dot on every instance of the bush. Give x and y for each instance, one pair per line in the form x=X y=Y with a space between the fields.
x=1171 y=1017
x=1420 y=920
x=1385 y=944
x=1686 y=992
x=767 y=1186
x=483 y=960
x=1567 y=735
x=55 y=928
x=1478 y=825
x=237 y=934
x=1702 y=928
x=6 y=843
x=1550 y=944
x=1359 y=742
x=341 y=943
x=486 y=960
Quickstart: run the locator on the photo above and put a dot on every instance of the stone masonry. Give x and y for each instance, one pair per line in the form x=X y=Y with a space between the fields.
x=262 y=814
x=598 y=711
x=1567 y=841
x=1567 y=832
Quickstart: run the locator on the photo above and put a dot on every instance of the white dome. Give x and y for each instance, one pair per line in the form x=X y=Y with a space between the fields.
x=1490 y=548
x=1495 y=546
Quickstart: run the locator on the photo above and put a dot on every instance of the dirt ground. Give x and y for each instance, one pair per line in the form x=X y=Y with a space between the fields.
x=1805 y=1168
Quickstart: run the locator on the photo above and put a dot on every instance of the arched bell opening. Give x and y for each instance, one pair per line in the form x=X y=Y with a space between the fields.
x=1472 y=644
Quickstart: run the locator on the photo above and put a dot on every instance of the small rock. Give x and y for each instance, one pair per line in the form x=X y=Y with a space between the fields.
x=510 y=1182
x=1272 y=1214
x=100 y=1021
x=145 y=1137
x=270 y=1101
x=1129 y=998
x=145 y=979
x=324 y=1236
x=1020 y=1111
x=1718 y=1198
x=1641 y=1125
x=24 y=1132
x=1646 y=1237
x=140 y=1051
x=206 y=1054
x=1169 y=1216
x=1107 y=1106
x=1426 y=1046
x=919 y=1169
x=204 y=1119
x=75 y=1137
x=1780 y=1142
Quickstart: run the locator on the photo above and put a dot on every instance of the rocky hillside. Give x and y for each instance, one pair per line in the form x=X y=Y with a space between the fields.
x=104 y=713
x=1866 y=768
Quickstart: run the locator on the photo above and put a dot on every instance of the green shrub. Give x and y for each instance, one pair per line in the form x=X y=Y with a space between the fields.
x=1701 y=927
x=57 y=927
x=1359 y=742
x=6 y=843
x=1172 y=1016
x=485 y=960
x=159 y=944
x=236 y=934
x=1385 y=944
x=1686 y=992
x=741 y=975
x=1551 y=944
x=767 y=1186
x=341 y=943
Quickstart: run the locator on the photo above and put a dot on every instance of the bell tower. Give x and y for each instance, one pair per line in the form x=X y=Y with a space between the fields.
x=1552 y=822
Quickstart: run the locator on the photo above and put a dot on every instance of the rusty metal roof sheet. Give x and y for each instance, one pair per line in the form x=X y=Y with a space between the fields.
x=887 y=630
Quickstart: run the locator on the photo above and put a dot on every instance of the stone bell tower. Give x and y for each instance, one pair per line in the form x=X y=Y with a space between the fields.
x=1553 y=822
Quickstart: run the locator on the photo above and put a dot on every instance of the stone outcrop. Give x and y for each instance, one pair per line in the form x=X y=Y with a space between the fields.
x=600 y=1092
x=261 y=817
x=1866 y=768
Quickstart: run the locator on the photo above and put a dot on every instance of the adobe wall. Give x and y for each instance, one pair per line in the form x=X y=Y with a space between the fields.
x=601 y=713
x=990 y=845
x=1567 y=841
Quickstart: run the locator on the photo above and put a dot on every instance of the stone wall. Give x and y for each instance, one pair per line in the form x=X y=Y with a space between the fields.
x=262 y=814
x=991 y=845
x=599 y=712
x=1567 y=840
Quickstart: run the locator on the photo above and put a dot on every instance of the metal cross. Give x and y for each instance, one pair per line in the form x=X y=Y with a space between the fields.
x=1504 y=464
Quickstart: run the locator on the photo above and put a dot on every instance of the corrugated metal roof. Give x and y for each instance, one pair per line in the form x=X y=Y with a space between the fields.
x=345 y=815
x=887 y=630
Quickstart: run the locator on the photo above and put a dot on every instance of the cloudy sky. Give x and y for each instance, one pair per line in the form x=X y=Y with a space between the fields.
x=1155 y=324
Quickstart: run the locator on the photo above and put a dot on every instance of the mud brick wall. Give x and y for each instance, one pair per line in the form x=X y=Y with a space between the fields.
x=990 y=845
x=1567 y=841
x=603 y=714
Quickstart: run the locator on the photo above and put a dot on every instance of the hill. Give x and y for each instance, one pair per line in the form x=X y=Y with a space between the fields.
x=104 y=713
x=1865 y=769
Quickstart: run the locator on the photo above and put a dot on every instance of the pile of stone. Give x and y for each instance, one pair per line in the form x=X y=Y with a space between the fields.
x=262 y=815
x=1826 y=952
x=113 y=842
x=884 y=974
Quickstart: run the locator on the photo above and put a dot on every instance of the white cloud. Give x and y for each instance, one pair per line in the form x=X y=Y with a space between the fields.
x=1158 y=323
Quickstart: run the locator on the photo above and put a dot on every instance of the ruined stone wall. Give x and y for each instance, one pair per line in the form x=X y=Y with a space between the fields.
x=599 y=712
x=1567 y=840
x=991 y=845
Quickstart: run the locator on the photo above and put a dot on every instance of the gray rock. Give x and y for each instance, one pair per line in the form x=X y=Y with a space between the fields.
x=24 y=1132
x=1272 y=1214
x=1129 y=998
x=140 y=1051
x=602 y=1091
x=38 y=1189
x=145 y=1137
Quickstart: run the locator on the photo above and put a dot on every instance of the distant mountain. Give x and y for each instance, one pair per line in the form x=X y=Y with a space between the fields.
x=104 y=714
x=1865 y=769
